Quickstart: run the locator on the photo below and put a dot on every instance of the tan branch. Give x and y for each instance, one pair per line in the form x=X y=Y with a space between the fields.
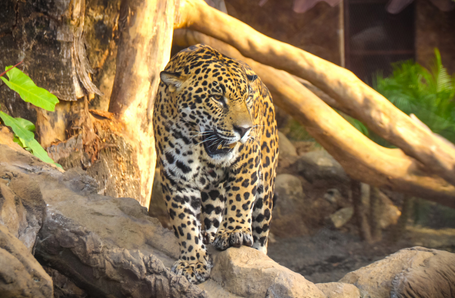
x=362 y=159
x=357 y=98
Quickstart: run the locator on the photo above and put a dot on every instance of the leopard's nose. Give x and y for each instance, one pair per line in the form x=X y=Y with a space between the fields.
x=241 y=130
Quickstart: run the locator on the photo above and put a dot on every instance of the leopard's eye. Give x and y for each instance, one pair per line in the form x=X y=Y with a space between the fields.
x=219 y=98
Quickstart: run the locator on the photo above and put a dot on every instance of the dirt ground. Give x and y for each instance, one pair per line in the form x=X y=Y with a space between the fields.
x=329 y=254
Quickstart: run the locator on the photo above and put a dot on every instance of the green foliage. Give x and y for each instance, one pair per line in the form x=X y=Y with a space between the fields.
x=22 y=128
x=359 y=125
x=20 y=131
x=428 y=94
x=29 y=92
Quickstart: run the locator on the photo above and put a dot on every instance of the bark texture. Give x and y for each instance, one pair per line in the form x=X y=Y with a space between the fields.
x=144 y=50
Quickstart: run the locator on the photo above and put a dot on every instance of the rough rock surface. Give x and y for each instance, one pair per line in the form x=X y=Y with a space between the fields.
x=21 y=276
x=289 y=207
x=339 y=290
x=108 y=246
x=247 y=272
x=410 y=272
x=285 y=146
x=342 y=216
x=21 y=207
x=389 y=213
x=320 y=165
x=63 y=286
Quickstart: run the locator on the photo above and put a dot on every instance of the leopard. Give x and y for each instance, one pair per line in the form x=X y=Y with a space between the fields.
x=216 y=142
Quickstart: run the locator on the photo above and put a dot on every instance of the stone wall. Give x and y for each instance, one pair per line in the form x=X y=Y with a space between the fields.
x=317 y=31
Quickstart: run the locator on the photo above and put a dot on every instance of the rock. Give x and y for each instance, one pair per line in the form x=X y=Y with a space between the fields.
x=289 y=207
x=247 y=272
x=63 y=286
x=108 y=246
x=302 y=147
x=339 y=290
x=389 y=212
x=6 y=138
x=286 y=164
x=333 y=195
x=285 y=146
x=320 y=165
x=410 y=272
x=216 y=290
x=21 y=207
x=342 y=216
x=20 y=274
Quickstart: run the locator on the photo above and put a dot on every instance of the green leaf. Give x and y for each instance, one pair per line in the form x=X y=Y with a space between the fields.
x=18 y=141
x=25 y=138
x=25 y=124
x=39 y=152
x=15 y=125
x=29 y=92
x=427 y=93
x=360 y=127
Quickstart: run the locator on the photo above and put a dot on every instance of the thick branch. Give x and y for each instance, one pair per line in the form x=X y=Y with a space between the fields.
x=362 y=159
x=356 y=97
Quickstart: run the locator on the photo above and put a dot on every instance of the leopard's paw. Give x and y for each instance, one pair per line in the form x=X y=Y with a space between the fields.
x=196 y=272
x=233 y=238
x=207 y=237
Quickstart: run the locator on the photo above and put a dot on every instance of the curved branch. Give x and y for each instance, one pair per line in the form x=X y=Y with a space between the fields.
x=365 y=161
x=357 y=98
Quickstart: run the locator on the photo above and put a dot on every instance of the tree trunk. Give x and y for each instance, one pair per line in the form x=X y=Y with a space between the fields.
x=66 y=44
x=361 y=210
x=145 y=44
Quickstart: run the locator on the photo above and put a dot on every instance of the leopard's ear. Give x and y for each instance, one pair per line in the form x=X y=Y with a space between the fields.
x=172 y=79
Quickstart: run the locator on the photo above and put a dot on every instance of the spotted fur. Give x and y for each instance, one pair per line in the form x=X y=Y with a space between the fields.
x=217 y=148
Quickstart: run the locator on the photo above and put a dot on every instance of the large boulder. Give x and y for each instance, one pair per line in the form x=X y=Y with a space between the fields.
x=108 y=246
x=63 y=286
x=21 y=207
x=339 y=290
x=247 y=272
x=21 y=276
x=289 y=209
x=410 y=272
x=320 y=165
x=285 y=146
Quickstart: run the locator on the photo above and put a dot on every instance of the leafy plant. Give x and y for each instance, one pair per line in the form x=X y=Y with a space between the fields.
x=428 y=94
x=22 y=128
x=29 y=92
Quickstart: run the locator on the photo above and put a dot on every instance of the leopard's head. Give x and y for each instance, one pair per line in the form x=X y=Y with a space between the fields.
x=213 y=96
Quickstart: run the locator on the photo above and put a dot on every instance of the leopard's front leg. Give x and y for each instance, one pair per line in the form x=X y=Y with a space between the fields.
x=241 y=189
x=184 y=207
